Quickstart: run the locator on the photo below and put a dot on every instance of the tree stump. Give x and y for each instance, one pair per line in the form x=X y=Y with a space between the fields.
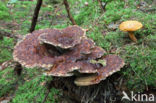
x=104 y=92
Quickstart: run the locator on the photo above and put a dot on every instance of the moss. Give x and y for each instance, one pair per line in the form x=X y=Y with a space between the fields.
x=33 y=90
x=4 y=11
x=139 y=71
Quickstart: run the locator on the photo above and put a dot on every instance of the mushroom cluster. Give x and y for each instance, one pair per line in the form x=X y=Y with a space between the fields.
x=67 y=52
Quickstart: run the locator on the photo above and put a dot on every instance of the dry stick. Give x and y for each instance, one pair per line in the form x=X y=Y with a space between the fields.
x=125 y=3
x=102 y=6
x=35 y=16
x=68 y=11
x=49 y=86
x=4 y=33
x=18 y=69
x=45 y=98
x=5 y=64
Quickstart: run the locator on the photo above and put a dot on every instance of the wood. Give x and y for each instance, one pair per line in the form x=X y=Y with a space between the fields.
x=68 y=11
x=45 y=98
x=35 y=16
x=104 y=92
x=18 y=69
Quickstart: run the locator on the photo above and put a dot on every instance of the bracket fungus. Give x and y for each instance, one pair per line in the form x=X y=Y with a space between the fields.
x=130 y=27
x=65 y=38
x=30 y=53
x=65 y=51
x=113 y=64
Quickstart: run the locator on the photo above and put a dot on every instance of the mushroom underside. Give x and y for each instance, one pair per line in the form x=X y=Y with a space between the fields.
x=113 y=64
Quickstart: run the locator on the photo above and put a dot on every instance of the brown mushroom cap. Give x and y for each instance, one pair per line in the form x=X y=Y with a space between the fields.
x=113 y=64
x=87 y=67
x=86 y=45
x=96 y=52
x=85 y=50
x=130 y=25
x=30 y=53
x=65 y=38
x=80 y=50
x=78 y=59
x=66 y=68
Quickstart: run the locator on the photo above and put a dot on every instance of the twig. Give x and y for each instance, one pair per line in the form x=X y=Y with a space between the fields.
x=148 y=10
x=49 y=86
x=102 y=6
x=18 y=69
x=35 y=16
x=45 y=98
x=125 y=3
x=5 y=64
x=4 y=33
x=68 y=11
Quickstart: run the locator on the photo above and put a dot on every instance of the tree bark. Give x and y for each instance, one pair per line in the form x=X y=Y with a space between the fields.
x=104 y=92
x=18 y=69
x=35 y=16
x=68 y=11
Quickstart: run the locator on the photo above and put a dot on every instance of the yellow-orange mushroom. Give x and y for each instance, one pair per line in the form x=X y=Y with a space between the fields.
x=130 y=27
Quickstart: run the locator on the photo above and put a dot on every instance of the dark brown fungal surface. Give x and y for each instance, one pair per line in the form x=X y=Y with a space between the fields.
x=65 y=38
x=113 y=64
x=67 y=52
x=72 y=59
x=85 y=46
x=87 y=67
x=96 y=52
x=30 y=53
x=79 y=51
x=63 y=69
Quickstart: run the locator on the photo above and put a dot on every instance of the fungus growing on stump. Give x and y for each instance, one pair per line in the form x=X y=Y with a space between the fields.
x=36 y=50
x=113 y=64
x=65 y=38
x=67 y=53
x=30 y=53
x=130 y=27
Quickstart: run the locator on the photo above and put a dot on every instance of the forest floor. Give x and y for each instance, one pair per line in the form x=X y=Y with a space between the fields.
x=139 y=72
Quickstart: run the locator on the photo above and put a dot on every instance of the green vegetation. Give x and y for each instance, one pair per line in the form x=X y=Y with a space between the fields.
x=33 y=90
x=139 y=72
x=5 y=53
x=4 y=11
